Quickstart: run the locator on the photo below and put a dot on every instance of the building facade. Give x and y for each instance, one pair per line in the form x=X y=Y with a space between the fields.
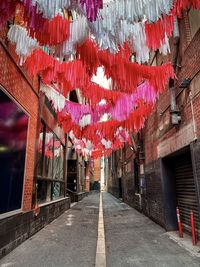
x=160 y=171
x=32 y=154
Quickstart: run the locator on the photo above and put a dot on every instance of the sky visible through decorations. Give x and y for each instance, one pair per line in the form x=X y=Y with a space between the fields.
x=71 y=43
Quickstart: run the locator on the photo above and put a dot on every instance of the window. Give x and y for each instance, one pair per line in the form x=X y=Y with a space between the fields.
x=50 y=166
x=13 y=136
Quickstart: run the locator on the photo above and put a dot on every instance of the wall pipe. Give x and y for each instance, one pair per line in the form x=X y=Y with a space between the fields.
x=174 y=110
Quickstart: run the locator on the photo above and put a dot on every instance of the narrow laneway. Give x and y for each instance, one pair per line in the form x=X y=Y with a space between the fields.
x=76 y=239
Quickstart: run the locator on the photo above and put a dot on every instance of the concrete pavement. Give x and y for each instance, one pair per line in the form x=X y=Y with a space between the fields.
x=69 y=241
x=131 y=240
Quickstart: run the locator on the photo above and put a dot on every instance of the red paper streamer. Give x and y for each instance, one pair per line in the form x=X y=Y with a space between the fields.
x=53 y=32
x=155 y=32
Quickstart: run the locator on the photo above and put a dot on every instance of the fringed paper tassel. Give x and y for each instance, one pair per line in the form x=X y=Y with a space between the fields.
x=125 y=75
x=53 y=32
x=88 y=54
x=24 y=43
x=91 y=8
x=51 y=8
x=57 y=99
x=157 y=32
x=79 y=32
x=35 y=21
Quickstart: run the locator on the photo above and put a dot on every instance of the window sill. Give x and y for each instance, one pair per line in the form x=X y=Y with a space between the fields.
x=9 y=214
x=52 y=202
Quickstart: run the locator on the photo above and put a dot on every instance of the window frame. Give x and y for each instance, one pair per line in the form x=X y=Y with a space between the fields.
x=43 y=177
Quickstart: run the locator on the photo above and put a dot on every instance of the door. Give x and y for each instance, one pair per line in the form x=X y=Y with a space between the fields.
x=185 y=190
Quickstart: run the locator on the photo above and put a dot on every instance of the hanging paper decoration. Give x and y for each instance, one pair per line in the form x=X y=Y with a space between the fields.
x=125 y=105
x=156 y=32
x=88 y=54
x=122 y=31
x=57 y=99
x=125 y=75
x=51 y=8
x=79 y=32
x=91 y=7
x=134 y=10
x=24 y=43
x=83 y=115
x=53 y=32
x=35 y=21
x=99 y=36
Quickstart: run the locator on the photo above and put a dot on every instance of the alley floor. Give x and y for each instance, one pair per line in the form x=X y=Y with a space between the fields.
x=131 y=239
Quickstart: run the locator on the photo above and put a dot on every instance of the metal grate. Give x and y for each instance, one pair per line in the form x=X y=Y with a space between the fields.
x=186 y=191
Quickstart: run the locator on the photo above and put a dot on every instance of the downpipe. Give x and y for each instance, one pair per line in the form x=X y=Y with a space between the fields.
x=175 y=117
x=193 y=118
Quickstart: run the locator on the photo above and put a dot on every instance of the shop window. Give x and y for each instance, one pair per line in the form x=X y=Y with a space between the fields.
x=50 y=166
x=40 y=149
x=48 y=154
x=13 y=137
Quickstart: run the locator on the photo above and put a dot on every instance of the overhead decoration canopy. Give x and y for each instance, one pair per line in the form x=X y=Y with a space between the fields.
x=66 y=41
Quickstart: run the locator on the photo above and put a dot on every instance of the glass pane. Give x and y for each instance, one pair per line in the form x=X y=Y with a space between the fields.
x=48 y=154
x=39 y=152
x=43 y=191
x=13 y=136
x=58 y=160
x=58 y=190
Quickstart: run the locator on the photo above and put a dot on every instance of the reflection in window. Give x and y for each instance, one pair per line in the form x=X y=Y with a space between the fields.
x=51 y=164
x=40 y=148
x=13 y=136
x=48 y=154
x=44 y=191
x=58 y=160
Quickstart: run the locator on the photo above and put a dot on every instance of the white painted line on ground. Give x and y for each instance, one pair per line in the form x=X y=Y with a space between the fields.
x=101 y=251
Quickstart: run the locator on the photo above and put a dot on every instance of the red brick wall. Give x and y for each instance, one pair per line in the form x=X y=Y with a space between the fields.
x=158 y=129
x=18 y=87
x=97 y=170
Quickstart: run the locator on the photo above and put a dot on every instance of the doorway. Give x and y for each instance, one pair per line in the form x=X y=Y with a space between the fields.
x=179 y=190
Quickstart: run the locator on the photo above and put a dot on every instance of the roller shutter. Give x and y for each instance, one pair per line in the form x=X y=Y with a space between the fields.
x=186 y=191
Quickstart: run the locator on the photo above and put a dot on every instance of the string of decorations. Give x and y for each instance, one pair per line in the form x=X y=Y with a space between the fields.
x=98 y=34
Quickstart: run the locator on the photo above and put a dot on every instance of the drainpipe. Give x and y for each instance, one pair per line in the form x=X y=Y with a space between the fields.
x=175 y=117
x=193 y=119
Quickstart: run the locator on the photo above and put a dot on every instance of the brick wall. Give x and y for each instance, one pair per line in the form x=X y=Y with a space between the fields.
x=161 y=138
x=16 y=229
x=15 y=83
x=158 y=127
x=97 y=170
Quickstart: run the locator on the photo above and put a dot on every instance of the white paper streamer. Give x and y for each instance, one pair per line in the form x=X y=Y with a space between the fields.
x=50 y=8
x=165 y=48
x=24 y=43
x=107 y=144
x=57 y=99
x=79 y=33
x=131 y=10
x=134 y=10
x=85 y=120
x=134 y=34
